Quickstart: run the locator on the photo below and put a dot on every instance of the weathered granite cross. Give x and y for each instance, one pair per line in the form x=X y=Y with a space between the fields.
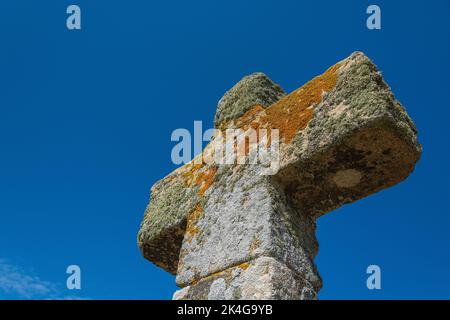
x=228 y=232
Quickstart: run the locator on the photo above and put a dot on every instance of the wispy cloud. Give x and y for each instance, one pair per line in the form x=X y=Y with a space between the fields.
x=18 y=283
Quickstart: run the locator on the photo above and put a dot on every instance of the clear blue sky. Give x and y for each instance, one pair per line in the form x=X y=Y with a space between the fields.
x=86 y=118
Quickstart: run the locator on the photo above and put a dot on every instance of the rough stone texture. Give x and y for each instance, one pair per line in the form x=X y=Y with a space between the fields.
x=246 y=215
x=255 y=89
x=343 y=137
x=262 y=278
x=160 y=237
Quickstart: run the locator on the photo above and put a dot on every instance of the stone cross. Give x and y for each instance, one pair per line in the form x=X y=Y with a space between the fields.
x=229 y=232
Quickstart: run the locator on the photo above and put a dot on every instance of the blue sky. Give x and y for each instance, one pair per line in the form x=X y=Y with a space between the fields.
x=86 y=118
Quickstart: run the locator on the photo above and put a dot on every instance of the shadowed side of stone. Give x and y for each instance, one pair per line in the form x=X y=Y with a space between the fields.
x=359 y=141
x=164 y=225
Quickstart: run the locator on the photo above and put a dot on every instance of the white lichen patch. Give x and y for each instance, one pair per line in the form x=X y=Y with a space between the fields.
x=347 y=178
x=338 y=110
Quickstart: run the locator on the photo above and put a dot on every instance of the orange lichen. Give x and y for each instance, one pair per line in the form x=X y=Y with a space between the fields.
x=191 y=225
x=227 y=274
x=223 y=273
x=205 y=179
x=254 y=119
x=244 y=266
x=199 y=174
x=294 y=111
x=249 y=117
x=191 y=172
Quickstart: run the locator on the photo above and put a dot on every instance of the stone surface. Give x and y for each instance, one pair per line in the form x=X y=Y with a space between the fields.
x=244 y=216
x=255 y=89
x=263 y=278
x=343 y=136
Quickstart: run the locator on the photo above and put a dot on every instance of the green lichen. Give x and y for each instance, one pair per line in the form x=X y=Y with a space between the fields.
x=237 y=294
x=255 y=89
